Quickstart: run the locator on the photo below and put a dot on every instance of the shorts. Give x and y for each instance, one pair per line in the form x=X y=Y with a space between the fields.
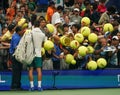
x=37 y=62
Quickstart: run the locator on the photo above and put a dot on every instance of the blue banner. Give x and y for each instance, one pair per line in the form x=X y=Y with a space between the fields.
x=68 y=79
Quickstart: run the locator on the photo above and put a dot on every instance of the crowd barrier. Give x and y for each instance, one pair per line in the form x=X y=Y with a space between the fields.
x=68 y=79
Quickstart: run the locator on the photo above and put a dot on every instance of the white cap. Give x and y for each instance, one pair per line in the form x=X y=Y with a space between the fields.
x=76 y=9
x=58 y=21
x=115 y=37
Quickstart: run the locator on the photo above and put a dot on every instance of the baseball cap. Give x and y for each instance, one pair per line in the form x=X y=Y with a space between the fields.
x=76 y=9
x=115 y=38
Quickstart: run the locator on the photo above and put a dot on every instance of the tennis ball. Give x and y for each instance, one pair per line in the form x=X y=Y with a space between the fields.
x=69 y=58
x=50 y=28
x=92 y=37
x=65 y=41
x=90 y=49
x=42 y=51
x=74 y=44
x=101 y=62
x=85 y=31
x=73 y=62
x=85 y=21
x=48 y=45
x=21 y=22
x=25 y=25
x=92 y=65
x=79 y=37
x=82 y=50
x=108 y=27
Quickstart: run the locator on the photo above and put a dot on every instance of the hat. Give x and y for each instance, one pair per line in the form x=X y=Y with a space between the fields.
x=115 y=38
x=101 y=8
x=58 y=21
x=76 y=9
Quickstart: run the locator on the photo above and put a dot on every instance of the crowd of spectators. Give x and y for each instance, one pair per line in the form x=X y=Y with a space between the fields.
x=67 y=21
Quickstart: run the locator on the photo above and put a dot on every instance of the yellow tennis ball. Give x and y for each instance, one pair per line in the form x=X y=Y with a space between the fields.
x=79 y=37
x=108 y=27
x=85 y=31
x=48 y=45
x=92 y=37
x=42 y=51
x=85 y=21
x=101 y=62
x=82 y=50
x=21 y=22
x=25 y=25
x=65 y=41
x=74 y=44
x=50 y=28
x=92 y=65
x=90 y=49
x=69 y=58
x=73 y=62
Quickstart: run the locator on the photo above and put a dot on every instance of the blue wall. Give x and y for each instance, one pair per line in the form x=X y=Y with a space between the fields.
x=68 y=79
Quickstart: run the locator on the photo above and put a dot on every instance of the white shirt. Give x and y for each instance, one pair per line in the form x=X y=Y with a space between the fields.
x=55 y=17
x=38 y=39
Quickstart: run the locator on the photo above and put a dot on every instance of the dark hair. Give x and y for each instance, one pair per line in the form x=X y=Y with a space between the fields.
x=33 y=18
x=111 y=9
x=51 y=3
x=37 y=23
x=95 y=5
x=102 y=1
x=65 y=25
x=11 y=27
x=86 y=2
x=18 y=29
x=76 y=26
x=59 y=8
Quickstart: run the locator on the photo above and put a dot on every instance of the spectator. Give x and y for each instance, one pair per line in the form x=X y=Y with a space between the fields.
x=2 y=19
x=4 y=51
x=16 y=66
x=87 y=11
x=101 y=6
x=11 y=11
x=31 y=5
x=66 y=29
x=115 y=25
x=56 y=55
x=47 y=60
x=105 y=17
x=8 y=35
x=63 y=64
x=57 y=15
x=75 y=17
x=75 y=28
x=65 y=14
x=50 y=11
x=118 y=55
x=113 y=61
x=100 y=47
x=95 y=16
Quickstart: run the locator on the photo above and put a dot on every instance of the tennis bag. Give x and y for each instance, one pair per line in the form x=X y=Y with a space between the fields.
x=25 y=51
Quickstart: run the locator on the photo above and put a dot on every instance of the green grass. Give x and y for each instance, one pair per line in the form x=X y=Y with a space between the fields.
x=110 y=91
